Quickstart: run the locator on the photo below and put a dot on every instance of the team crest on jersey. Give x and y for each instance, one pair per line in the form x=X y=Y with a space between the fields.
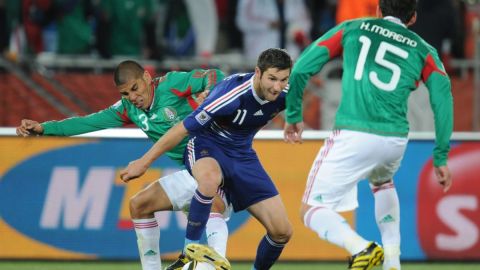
x=169 y=113
x=202 y=117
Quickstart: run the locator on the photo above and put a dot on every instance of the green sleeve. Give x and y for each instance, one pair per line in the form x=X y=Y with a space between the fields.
x=114 y=116
x=308 y=64
x=196 y=80
x=441 y=101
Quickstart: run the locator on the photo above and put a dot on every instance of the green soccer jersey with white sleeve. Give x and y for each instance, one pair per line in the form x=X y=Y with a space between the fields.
x=174 y=99
x=383 y=62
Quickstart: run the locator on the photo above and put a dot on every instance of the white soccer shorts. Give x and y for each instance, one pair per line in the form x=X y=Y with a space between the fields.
x=180 y=187
x=346 y=158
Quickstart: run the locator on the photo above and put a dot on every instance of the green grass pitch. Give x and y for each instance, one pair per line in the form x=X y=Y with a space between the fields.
x=129 y=265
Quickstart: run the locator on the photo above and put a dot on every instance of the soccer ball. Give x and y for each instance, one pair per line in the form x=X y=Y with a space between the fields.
x=194 y=265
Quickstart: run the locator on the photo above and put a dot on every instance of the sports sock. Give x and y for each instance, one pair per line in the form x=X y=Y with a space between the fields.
x=387 y=215
x=331 y=226
x=197 y=217
x=217 y=233
x=268 y=252
x=148 y=238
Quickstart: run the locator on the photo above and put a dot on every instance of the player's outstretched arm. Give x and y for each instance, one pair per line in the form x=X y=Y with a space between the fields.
x=167 y=142
x=29 y=128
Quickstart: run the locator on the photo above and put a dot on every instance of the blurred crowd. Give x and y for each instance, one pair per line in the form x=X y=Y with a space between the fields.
x=154 y=29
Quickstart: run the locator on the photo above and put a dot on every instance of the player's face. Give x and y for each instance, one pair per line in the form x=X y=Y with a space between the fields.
x=271 y=82
x=138 y=91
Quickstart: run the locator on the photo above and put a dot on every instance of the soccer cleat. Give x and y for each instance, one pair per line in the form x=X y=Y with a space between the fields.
x=371 y=256
x=190 y=266
x=179 y=263
x=202 y=253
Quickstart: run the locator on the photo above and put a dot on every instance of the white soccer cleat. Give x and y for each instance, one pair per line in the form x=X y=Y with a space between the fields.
x=203 y=253
x=194 y=265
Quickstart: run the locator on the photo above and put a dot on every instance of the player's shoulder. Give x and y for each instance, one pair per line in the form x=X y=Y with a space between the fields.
x=239 y=77
x=234 y=81
x=120 y=104
x=424 y=46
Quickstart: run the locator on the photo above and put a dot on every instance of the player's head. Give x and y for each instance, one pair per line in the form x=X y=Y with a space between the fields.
x=405 y=10
x=272 y=73
x=134 y=83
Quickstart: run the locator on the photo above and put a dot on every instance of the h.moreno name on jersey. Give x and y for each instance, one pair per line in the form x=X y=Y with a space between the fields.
x=387 y=33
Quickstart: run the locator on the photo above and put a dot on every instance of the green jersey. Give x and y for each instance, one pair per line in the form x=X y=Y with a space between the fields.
x=174 y=99
x=383 y=62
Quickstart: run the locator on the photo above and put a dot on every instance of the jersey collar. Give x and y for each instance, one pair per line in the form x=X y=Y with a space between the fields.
x=152 y=85
x=257 y=98
x=394 y=20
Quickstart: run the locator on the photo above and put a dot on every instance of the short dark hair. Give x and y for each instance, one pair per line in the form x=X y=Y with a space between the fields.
x=402 y=9
x=127 y=70
x=274 y=58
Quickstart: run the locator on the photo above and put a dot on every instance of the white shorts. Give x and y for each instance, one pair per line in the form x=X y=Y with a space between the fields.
x=346 y=158
x=180 y=187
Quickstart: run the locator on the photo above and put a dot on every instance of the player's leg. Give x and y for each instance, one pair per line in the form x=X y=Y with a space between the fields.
x=387 y=216
x=216 y=228
x=217 y=234
x=331 y=188
x=332 y=227
x=387 y=205
x=208 y=174
x=172 y=192
x=142 y=207
x=271 y=213
x=345 y=158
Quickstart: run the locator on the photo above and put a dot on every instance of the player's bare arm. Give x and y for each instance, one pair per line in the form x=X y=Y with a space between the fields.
x=29 y=128
x=167 y=142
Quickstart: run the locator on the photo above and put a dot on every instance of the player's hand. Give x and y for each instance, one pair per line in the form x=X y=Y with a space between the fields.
x=444 y=177
x=134 y=170
x=292 y=133
x=202 y=96
x=29 y=128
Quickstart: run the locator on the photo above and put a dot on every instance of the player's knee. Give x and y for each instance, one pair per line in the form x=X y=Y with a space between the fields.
x=138 y=206
x=208 y=182
x=381 y=183
x=281 y=234
x=208 y=177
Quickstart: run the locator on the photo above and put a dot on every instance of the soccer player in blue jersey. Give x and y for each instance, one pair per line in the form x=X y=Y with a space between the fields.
x=154 y=105
x=220 y=154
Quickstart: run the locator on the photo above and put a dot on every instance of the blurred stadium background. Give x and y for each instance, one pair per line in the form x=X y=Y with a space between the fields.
x=57 y=61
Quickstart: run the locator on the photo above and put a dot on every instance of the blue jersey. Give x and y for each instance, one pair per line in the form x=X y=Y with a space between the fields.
x=223 y=128
x=234 y=113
